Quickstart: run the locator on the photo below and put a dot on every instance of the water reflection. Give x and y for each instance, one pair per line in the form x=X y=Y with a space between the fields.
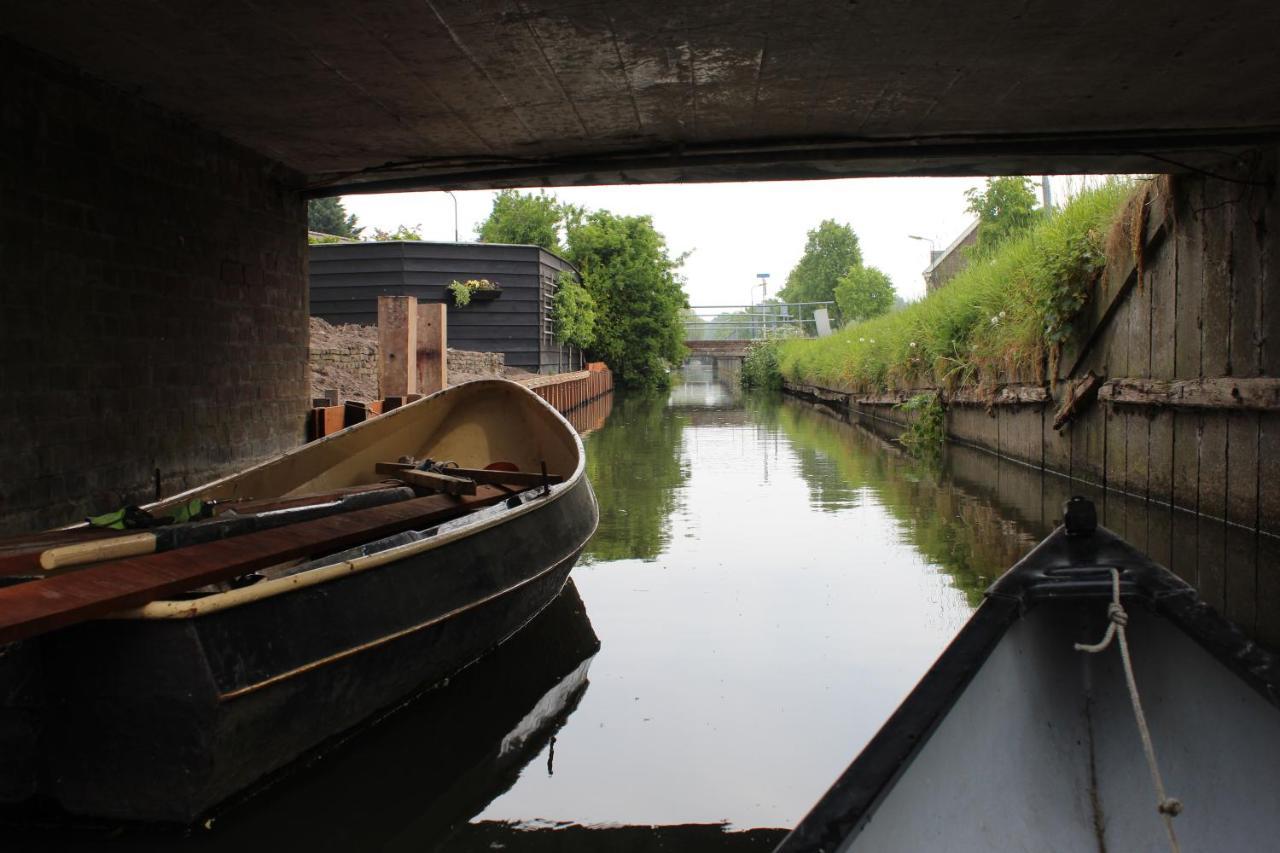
x=750 y=645
x=408 y=781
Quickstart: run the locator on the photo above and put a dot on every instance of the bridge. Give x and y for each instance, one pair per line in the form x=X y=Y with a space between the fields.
x=728 y=331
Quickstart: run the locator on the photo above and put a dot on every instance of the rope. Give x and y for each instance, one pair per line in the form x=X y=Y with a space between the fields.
x=1117 y=619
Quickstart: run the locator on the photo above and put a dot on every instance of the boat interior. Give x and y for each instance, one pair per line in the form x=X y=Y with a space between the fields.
x=1041 y=750
x=473 y=425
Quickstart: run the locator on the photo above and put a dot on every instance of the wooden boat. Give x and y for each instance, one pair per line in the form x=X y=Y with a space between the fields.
x=164 y=709
x=1016 y=740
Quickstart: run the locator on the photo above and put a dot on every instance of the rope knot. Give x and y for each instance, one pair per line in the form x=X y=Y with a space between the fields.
x=1171 y=806
x=1117 y=614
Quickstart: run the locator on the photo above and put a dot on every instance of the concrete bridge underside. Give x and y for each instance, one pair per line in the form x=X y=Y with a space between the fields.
x=155 y=161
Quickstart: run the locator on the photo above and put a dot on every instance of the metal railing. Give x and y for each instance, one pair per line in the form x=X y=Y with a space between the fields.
x=752 y=322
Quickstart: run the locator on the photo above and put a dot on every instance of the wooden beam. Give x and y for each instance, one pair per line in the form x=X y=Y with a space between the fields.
x=1261 y=394
x=507 y=478
x=439 y=482
x=432 y=348
x=1080 y=394
x=397 y=345
x=1005 y=395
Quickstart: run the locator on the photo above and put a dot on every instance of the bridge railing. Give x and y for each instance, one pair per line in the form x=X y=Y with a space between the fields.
x=752 y=322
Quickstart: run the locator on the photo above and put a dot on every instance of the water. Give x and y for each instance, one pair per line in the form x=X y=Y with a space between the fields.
x=766 y=585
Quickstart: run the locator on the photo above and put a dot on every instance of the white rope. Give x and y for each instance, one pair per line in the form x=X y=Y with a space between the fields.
x=1168 y=807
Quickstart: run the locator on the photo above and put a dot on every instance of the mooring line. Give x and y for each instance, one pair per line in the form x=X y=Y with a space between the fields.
x=1168 y=807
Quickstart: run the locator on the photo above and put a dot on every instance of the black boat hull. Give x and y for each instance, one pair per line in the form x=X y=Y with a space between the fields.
x=162 y=719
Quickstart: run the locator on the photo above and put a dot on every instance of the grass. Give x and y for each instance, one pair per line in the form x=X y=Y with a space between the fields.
x=1004 y=318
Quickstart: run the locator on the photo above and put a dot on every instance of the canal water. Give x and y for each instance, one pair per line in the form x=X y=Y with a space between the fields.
x=767 y=583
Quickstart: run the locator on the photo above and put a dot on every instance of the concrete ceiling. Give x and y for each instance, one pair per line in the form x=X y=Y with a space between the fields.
x=391 y=94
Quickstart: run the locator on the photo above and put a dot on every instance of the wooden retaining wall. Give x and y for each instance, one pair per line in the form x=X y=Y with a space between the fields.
x=1177 y=375
x=567 y=392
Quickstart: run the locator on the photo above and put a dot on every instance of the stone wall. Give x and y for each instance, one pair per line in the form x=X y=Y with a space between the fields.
x=152 y=296
x=478 y=363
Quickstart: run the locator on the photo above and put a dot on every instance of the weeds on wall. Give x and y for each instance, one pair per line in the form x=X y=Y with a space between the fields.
x=928 y=430
x=1004 y=318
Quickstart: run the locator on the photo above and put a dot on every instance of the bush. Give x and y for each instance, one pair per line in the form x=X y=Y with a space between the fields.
x=760 y=367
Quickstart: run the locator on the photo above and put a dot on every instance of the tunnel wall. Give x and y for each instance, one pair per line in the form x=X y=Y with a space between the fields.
x=1202 y=304
x=152 y=296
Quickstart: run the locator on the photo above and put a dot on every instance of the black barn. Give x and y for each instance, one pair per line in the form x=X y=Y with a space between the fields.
x=346 y=280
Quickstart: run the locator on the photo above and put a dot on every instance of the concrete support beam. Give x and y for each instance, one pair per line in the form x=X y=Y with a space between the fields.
x=397 y=345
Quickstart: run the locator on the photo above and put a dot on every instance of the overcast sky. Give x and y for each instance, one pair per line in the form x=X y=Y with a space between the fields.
x=738 y=230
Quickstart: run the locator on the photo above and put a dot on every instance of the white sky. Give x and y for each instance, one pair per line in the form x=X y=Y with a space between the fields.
x=738 y=230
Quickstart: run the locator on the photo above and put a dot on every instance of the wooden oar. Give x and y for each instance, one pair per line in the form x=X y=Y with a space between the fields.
x=29 y=609
x=195 y=533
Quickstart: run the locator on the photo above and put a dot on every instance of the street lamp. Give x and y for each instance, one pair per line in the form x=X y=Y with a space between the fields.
x=455 y=213
x=927 y=240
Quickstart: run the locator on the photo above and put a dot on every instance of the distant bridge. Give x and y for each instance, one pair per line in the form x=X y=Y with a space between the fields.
x=727 y=331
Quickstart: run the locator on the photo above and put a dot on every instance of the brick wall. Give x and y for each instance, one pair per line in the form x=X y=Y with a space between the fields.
x=152 y=299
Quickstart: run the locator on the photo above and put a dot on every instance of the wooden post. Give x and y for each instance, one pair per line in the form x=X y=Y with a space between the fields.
x=433 y=347
x=397 y=343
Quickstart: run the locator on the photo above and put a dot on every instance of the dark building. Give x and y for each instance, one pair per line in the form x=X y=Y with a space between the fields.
x=346 y=280
x=945 y=265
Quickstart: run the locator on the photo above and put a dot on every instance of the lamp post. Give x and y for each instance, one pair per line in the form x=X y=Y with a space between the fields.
x=455 y=213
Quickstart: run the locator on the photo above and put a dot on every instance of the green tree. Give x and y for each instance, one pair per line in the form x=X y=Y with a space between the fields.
x=329 y=216
x=574 y=313
x=863 y=293
x=532 y=219
x=625 y=265
x=1005 y=207
x=403 y=232
x=830 y=251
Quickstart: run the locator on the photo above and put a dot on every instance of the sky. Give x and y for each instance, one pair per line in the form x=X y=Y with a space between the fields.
x=735 y=231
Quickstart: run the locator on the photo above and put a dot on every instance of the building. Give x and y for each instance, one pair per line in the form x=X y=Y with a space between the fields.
x=346 y=280
x=946 y=264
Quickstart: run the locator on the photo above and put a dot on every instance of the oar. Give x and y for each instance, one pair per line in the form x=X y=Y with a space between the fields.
x=198 y=532
x=28 y=609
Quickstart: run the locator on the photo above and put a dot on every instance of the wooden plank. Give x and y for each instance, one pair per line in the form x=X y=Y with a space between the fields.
x=1211 y=494
x=1215 y=328
x=1186 y=460
x=1137 y=466
x=1159 y=534
x=1184 y=556
x=1221 y=392
x=37 y=607
x=432 y=348
x=1264 y=207
x=1162 y=281
x=1242 y=468
x=438 y=482
x=1160 y=458
x=397 y=345
x=508 y=478
x=1079 y=394
x=1190 y=290
x=1211 y=562
x=1269 y=472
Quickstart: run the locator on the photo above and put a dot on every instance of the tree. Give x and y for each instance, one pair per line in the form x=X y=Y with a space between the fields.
x=830 y=251
x=574 y=312
x=625 y=266
x=329 y=216
x=863 y=293
x=1005 y=208
x=528 y=219
x=403 y=232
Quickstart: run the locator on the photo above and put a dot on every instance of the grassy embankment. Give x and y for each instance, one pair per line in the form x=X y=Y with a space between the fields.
x=1002 y=319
